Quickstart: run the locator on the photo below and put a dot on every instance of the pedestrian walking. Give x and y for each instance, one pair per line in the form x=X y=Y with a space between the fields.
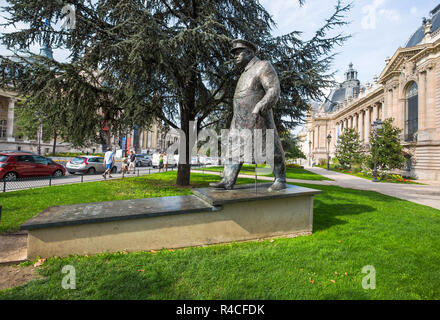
x=132 y=164
x=165 y=161
x=160 y=162
x=109 y=159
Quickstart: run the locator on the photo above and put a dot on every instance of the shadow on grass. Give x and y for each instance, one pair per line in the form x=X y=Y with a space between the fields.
x=326 y=214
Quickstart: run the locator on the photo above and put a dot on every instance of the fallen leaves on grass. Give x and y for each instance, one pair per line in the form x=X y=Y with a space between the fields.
x=311 y=281
x=40 y=262
x=333 y=281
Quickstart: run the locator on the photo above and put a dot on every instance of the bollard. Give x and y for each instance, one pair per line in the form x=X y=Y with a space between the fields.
x=82 y=178
x=50 y=181
x=4 y=185
x=138 y=172
x=149 y=170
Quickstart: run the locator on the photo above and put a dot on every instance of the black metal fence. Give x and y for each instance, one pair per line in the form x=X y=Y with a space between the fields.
x=38 y=182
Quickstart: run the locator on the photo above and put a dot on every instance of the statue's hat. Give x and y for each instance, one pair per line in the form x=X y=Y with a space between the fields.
x=243 y=44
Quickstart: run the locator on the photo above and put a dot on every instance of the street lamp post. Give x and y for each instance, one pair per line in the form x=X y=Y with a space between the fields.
x=310 y=153
x=329 y=139
x=377 y=125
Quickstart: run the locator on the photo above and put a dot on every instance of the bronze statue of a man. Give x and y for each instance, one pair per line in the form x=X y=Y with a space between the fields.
x=257 y=92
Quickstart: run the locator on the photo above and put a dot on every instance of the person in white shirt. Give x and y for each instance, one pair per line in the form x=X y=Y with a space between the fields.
x=109 y=159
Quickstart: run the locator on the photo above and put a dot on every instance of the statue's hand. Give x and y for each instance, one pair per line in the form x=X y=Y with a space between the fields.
x=259 y=109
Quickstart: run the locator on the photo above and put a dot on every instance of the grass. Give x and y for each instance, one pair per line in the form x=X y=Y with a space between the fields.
x=291 y=173
x=20 y=206
x=352 y=229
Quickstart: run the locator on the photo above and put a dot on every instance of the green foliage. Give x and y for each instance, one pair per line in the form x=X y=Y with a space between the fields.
x=136 y=61
x=389 y=149
x=291 y=146
x=349 y=150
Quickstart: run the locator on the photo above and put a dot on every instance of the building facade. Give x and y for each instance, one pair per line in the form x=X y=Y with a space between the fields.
x=408 y=91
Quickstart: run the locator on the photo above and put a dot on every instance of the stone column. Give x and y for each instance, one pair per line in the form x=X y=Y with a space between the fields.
x=398 y=112
x=387 y=107
x=361 y=125
x=11 y=115
x=315 y=138
x=367 y=125
x=318 y=140
x=375 y=113
x=141 y=133
x=430 y=99
x=422 y=101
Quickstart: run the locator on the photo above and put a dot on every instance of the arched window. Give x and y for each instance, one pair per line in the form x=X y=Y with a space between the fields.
x=3 y=128
x=411 y=111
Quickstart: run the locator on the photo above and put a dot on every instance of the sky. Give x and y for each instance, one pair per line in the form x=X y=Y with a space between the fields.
x=377 y=27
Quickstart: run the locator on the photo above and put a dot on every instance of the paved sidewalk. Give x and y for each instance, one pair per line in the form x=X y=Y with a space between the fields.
x=428 y=195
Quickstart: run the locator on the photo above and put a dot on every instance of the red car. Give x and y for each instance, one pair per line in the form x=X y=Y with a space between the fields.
x=20 y=165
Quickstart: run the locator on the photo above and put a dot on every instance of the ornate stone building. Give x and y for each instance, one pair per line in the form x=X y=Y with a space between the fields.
x=408 y=90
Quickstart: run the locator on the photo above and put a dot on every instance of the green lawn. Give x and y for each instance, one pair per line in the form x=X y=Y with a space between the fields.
x=20 y=206
x=291 y=173
x=352 y=229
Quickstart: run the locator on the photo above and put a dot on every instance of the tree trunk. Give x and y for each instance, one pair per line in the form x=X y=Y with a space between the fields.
x=184 y=169
x=54 y=143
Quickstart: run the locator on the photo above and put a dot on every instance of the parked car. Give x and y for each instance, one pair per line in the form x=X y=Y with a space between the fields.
x=88 y=164
x=15 y=165
x=142 y=160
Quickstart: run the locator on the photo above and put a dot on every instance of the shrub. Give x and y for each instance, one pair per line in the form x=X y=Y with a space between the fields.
x=322 y=162
x=349 y=150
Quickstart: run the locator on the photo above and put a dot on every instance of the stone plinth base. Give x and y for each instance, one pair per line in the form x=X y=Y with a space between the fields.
x=208 y=217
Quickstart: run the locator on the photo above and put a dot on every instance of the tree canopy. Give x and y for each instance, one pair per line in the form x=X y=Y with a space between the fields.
x=385 y=143
x=349 y=150
x=134 y=61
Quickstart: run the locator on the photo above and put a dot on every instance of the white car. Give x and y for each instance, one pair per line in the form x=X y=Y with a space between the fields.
x=87 y=164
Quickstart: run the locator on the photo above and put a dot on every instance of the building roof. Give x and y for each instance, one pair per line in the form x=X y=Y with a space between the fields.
x=419 y=34
x=345 y=90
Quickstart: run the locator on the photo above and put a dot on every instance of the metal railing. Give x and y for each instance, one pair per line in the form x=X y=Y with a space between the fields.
x=48 y=181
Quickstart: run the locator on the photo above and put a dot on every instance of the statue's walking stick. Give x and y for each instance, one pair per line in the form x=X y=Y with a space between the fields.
x=256 y=166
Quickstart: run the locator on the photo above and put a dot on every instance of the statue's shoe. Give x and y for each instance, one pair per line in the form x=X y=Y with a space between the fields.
x=221 y=185
x=278 y=185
